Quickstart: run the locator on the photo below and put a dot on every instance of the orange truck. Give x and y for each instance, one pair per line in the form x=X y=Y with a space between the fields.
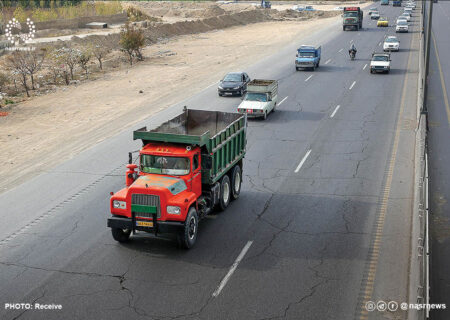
x=188 y=167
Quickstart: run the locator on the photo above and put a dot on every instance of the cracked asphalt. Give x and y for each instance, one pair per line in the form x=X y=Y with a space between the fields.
x=311 y=230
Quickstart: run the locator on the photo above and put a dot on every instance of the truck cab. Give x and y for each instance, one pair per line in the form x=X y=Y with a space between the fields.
x=307 y=57
x=380 y=62
x=261 y=98
x=352 y=18
x=186 y=168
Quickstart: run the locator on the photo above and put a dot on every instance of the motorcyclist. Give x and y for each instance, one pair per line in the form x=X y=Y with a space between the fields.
x=352 y=49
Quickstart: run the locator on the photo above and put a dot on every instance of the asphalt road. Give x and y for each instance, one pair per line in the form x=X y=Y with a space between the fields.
x=439 y=158
x=312 y=231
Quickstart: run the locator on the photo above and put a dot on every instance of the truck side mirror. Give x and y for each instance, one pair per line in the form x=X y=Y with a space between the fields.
x=206 y=162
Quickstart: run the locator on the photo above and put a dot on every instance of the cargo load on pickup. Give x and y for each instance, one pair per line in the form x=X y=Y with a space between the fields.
x=261 y=98
x=188 y=166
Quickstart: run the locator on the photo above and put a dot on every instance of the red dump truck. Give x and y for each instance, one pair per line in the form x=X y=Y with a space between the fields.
x=188 y=166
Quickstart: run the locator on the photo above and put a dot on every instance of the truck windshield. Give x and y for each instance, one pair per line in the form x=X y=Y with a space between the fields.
x=176 y=166
x=351 y=14
x=253 y=96
x=306 y=54
x=380 y=58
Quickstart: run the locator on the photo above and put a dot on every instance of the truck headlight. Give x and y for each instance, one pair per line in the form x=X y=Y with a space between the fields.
x=220 y=87
x=173 y=210
x=236 y=87
x=119 y=204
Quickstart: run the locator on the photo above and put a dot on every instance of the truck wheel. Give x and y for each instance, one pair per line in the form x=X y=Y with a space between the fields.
x=265 y=115
x=188 y=236
x=225 y=193
x=236 y=181
x=296 y=68
x=121 y=235
x=343 y=28
x=274 y=107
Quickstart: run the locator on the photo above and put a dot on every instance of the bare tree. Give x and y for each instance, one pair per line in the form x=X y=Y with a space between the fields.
x=68 y=57
x=34 y=61
x=100 y=48
x=132 y=41
x=17 y=63
x=84 y=58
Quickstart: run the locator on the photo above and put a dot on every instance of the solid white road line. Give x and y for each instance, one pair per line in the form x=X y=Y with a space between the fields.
x=379 y=44
x=354 y=82
x=341 y=50
x=365 y=66
x=308 y=78
x=335 y=110
x=282 y=101
x=232 y=269
x=351 y=41
x=211 y=85
x=303 y=161
x=328 y=61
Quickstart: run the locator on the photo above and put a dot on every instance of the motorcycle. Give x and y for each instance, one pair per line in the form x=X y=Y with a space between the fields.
x=352 y=54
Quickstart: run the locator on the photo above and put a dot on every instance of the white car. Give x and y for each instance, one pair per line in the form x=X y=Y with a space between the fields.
x=402 y=26
x=391 y=43
x=406 y=16
x=401 y=18
x=381 y=62
x=407 y=10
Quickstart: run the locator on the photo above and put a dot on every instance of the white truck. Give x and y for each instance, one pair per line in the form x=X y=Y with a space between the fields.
x=261 y=98
x=380 y=62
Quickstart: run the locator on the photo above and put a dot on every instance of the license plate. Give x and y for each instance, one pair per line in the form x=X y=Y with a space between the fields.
x=228 y=93
x=144 y=223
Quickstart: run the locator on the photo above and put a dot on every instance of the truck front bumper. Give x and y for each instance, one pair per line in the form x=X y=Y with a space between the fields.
x=158 y=227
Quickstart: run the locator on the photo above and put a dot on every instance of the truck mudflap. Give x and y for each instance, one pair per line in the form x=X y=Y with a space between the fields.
x=159 y=227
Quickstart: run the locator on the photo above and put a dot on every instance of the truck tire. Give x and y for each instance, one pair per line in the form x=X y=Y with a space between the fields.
x=296 y=68
x=188 y=236
x=121 y=235
x=274 y=107
x=225 y=193
x=343 y=28
x=265 y=115
x=236 y=181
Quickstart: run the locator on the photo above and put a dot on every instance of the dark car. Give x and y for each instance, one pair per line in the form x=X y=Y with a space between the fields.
x=234 y=83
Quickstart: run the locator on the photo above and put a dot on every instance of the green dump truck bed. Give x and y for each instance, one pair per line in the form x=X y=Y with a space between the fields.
x=221 y=136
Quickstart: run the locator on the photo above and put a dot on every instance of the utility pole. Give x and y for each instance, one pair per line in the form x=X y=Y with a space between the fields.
x=427 y=53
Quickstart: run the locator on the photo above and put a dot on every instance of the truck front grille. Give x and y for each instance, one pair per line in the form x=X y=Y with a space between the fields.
x=146 y=200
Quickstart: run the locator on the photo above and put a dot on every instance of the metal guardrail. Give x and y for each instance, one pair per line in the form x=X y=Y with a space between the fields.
x=423 y=248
